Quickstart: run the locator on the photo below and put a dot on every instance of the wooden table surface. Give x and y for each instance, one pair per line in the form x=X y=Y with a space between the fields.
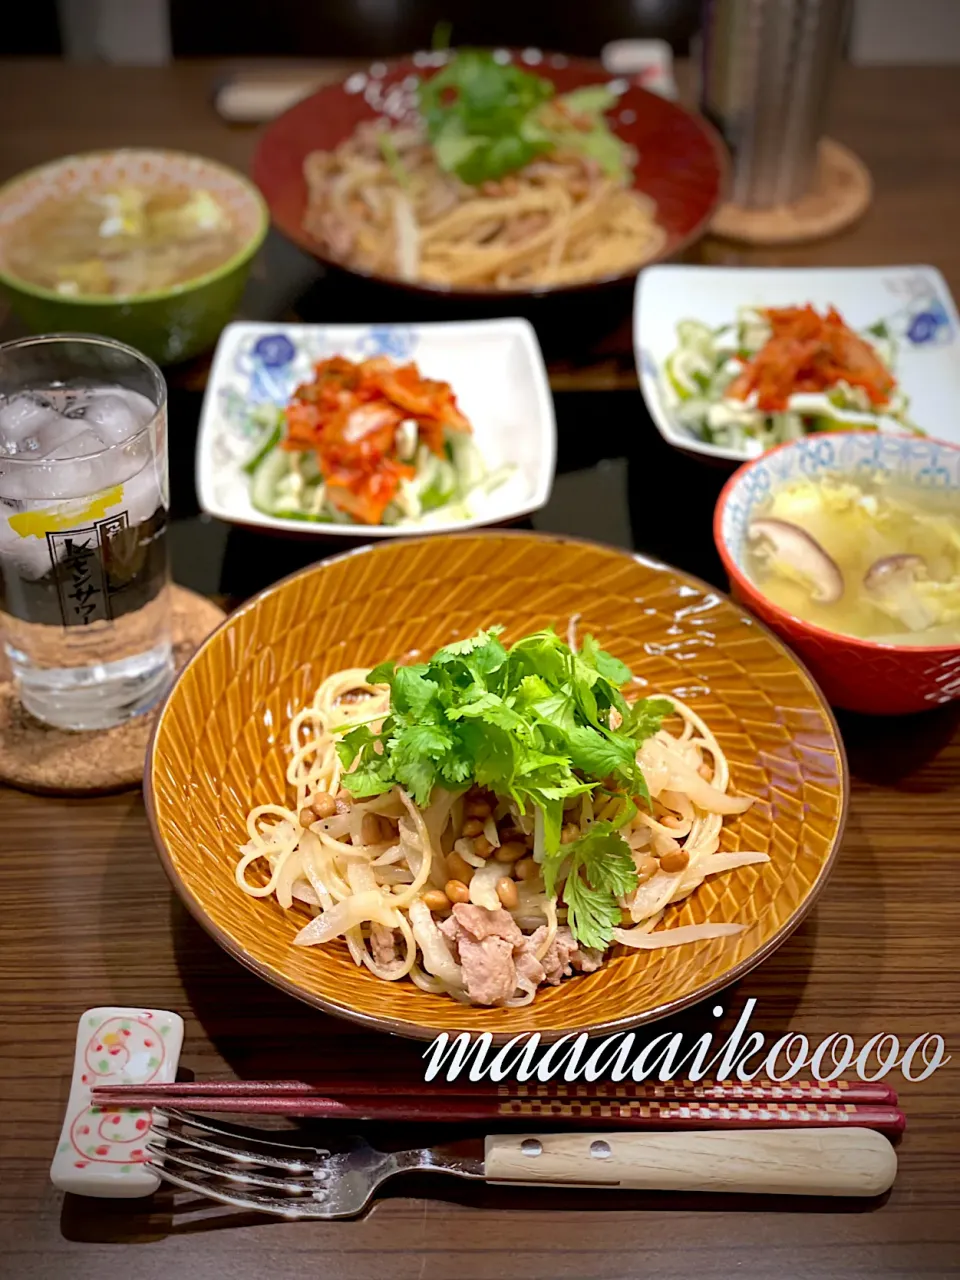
x=88 y=918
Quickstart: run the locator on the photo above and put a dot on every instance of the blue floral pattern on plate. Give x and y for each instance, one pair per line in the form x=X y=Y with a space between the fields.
x=923 y=319
x=274 y=350
x=925 y=463
x=267 y=369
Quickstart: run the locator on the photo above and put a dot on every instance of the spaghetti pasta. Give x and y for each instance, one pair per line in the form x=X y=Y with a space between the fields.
x=417 y=890
x=558 y=221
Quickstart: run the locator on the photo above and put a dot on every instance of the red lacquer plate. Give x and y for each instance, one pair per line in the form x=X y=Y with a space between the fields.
x=682 y=162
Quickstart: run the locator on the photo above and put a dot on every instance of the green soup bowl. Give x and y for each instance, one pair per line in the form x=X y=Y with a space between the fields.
x=170 y=324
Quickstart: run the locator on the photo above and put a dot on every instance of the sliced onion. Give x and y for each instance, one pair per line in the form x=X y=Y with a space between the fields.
x=465 y=849
x=529 y=989
x=426 y=982
x=372 y=905
x=395 y=853
x=730 y=861
x=491 y=832
x=336 y=827
x=360 y=877
x=674 y=937
x=681 y=777
x=483 y=885
x=437 y=813
x=394 y=875
x=303 y=891
x=654 y=894
x=290 y=870
x=437 y=957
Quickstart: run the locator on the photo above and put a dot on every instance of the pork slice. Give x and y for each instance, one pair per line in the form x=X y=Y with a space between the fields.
x=481 y=922
x=383 y=944
x=564 y=955
x=525 y=957
x=451 y=930
x=528 y=966
x=489 y=972
x=587 y=959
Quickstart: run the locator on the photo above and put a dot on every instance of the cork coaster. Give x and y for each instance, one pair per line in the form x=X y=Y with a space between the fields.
x=841 y=194
x=35 y=757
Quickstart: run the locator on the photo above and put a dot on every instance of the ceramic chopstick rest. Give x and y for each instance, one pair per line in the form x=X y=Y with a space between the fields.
x=101 y=1152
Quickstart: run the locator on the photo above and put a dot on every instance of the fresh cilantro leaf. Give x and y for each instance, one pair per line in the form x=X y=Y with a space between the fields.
x=592 y=914
x=460 y=648
x=601 y=871
x=492 y=709
x=382 y=674
x=605 y=664
x=353 y=744
x=552 y=869
x=456 y=770
x=541 y=654
x=644 y=717
x=371 y=778
x=606 y=858
x=475 y=110
x=556 y=710
x=600 y=756
x=412 y=694
x=531 y=723
x=414 y=757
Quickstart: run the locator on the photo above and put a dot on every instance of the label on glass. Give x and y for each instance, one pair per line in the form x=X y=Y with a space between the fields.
x=79 y=558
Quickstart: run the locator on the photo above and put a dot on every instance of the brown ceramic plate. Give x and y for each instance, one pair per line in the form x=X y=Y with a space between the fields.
x=218 y=750
x=682 y=162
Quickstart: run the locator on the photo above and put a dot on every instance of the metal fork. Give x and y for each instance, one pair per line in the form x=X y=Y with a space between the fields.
x=243 y=1169
x=248 y=1170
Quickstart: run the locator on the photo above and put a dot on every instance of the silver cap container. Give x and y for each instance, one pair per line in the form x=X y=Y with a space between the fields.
x=766 y=71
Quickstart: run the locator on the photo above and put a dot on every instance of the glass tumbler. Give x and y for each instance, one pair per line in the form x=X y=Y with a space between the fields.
x=84 y=502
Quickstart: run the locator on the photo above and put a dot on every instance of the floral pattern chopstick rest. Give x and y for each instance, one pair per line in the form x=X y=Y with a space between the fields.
x=102 y=1152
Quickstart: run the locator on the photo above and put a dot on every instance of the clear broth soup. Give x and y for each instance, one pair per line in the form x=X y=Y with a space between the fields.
x=896 y=548
x=122 y=242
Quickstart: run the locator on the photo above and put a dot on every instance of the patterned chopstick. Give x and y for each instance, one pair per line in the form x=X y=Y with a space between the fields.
x=801 y=1091
x=627 y=1114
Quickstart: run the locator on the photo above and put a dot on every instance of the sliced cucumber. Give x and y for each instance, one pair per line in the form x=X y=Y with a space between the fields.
x=270 y=489
x=268 y=443
x=441 y=488
x=692 y=414
x=753 y=330
x=695 y=336
x=685 y=372
x=467 y=461
x=266 y=480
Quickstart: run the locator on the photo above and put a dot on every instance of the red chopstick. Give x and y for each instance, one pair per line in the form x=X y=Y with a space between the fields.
x=626 y=1114
x=800 y=1091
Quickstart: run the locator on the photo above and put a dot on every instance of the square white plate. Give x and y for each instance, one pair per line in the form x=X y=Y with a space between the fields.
x=914 y=302
x=497 y=373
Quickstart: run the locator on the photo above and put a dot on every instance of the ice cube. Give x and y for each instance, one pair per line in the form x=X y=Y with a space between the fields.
x=30 y=557
x=80 y=444
x=21 y=419
x=142 y=495
x=118 y=414
x=70 y=476
x=53 y=439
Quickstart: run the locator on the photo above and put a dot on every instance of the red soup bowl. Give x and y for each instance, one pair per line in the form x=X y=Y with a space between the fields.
x=681 y=161
x=858 y=675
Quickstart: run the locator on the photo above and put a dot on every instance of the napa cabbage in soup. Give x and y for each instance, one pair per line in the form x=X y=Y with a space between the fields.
x=122 y=242
x=866 y=557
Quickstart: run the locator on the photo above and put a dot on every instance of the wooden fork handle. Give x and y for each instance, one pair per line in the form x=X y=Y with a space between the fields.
x=819 y=1162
